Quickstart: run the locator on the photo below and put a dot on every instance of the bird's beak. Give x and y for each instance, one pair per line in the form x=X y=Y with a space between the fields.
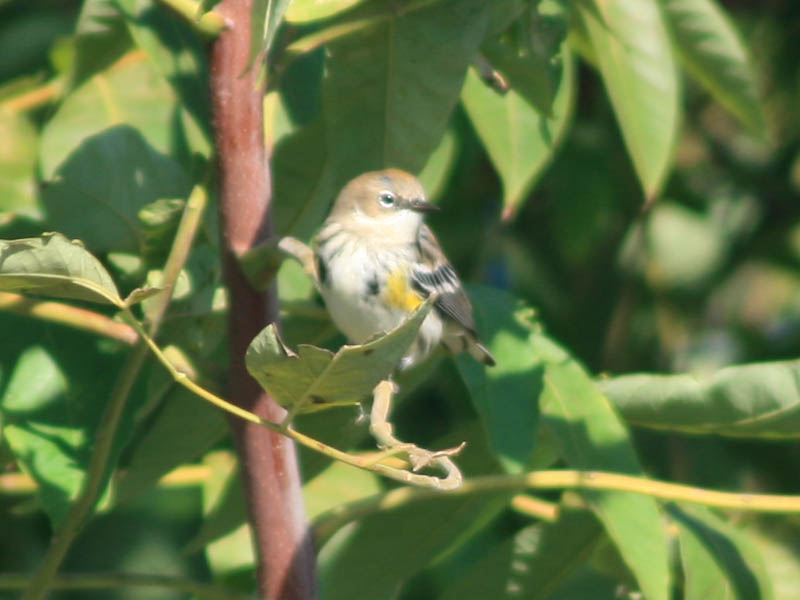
x=420 y=205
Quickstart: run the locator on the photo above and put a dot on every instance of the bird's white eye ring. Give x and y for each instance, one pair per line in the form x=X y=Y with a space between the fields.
x=386 y=199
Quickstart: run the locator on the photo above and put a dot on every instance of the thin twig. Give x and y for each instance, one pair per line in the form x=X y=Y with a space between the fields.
x=58 y=312
x=97 y=472
x=330 y=522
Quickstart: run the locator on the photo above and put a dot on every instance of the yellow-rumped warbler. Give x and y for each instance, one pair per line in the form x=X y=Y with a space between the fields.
x=377 y=261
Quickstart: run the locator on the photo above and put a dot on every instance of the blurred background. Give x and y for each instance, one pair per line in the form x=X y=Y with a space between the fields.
x=706 y=276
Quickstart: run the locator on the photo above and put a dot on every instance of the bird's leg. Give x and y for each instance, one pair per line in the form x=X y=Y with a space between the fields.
x=383 y=431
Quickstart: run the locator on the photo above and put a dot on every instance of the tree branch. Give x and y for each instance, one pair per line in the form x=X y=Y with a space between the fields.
x=269 y=463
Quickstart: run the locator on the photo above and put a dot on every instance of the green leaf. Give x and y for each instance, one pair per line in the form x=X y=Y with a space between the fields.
x=532 y=55
x=303 y=11
x=54 y=266
x=779 y=545
x=760 y=400
x=390 y=88
x=505 y=395
x=181 y=431
x=372 y=557
x=316 y=378
x=226 y=508
x=337 y=484
x=17 y=167
x=592 y=437
x=265 y=18
x=130 y=93
x=713 y=53
x=520 y=140
x=719 y=562
x=533 y=563
x=50 y=406
x=100 y=39
x=180 y=56
x=434 y=175
x=304 y=185
x=635 y=61
x=103 y=211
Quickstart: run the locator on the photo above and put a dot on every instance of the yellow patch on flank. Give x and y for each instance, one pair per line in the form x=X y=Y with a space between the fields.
x=399 y=294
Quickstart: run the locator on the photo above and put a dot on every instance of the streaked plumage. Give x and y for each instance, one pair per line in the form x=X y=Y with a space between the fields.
x=377 y=261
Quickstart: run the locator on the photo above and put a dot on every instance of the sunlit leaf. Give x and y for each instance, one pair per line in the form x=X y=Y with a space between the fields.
x=434 y=175
x=50 y=405
x=519 y=139
x=714 y=54
x=54 y=266
x=593 y=437
x=17 y=167
x=129 y=92
x=719 y=562
x=337 y=484
x=315 y=378
x=180 y=56
x=635 y=60
x=303 y=11
x=759 y=400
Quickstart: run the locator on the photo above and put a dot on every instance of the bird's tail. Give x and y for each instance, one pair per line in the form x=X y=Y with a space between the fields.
x=480 y=353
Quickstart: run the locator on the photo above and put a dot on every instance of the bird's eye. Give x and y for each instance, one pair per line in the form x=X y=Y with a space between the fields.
x=387 y=199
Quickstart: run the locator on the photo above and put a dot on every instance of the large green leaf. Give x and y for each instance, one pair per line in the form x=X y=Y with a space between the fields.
x=719 y=562
x=635 y=60
x=519 y=139
x=315 y=378
x=714 y=54
x=592 y=437
x=371 y=558
x=505 y=395
x=181 y=431
x=179 y=55
x=17 y=167
x=779 y=544
x=103 y=211
x=533 y=563
x=129 y=92
x=51 y=401
x=759 y=400
x=390 y=89
x=55 y=266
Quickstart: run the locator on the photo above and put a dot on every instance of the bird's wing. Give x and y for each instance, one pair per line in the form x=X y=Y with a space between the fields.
x=433 y=273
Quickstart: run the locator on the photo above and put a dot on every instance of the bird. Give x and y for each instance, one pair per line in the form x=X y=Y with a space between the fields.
x=377 y=261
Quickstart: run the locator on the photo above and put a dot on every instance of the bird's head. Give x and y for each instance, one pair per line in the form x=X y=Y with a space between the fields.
x=391 y=198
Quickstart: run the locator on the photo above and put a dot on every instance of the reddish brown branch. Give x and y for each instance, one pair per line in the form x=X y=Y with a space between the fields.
x=269 y=463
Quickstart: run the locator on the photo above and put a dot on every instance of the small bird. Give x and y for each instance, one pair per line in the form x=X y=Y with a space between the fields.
x=377 y=261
